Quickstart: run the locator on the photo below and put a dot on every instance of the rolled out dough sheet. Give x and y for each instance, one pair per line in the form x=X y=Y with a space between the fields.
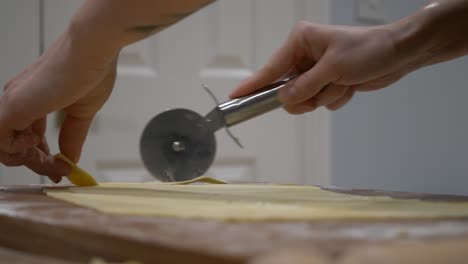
x=250 y=202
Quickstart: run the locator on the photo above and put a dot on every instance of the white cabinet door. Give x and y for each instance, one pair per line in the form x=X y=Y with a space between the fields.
x=19 y=45
x=217 y=46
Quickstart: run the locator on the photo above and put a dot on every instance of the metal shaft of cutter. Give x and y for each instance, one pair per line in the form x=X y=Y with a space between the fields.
x=241 y=109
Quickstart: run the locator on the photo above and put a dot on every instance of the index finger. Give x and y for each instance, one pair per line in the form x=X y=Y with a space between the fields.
x=44 y=164
x=276 y=67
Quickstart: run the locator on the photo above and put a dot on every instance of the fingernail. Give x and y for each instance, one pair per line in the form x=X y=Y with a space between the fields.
x=304 y=110
x=54 y=179
x=307 y=108
x=312 y=105
x=57 y=179
x=75 y=159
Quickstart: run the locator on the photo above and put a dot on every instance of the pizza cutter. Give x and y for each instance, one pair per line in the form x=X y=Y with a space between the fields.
x=180 y=144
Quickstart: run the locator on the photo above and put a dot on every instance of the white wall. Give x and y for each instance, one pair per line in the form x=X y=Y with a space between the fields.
x=19 y=45
x=411 y=136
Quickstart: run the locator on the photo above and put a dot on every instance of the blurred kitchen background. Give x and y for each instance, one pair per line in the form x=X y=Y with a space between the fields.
x=411 y=136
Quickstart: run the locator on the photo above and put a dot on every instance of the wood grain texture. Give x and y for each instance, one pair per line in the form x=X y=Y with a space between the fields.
x=409 y=252
x=8 y=256
x=34 y=223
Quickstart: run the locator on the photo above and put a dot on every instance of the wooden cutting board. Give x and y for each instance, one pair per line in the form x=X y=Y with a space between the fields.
x=36 y=225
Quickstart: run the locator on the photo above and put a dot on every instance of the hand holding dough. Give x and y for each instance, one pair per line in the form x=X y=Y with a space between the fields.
x=77 y=176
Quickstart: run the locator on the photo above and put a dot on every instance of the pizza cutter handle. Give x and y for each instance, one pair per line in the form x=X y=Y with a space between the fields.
x=244 y=108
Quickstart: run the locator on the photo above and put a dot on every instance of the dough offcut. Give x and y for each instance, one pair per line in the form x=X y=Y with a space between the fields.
x=77 y=176
x=249 y=202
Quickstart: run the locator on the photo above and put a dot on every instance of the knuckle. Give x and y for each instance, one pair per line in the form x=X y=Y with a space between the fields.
x=302 y=25
x=342 y=89
x=337 y=60
x=6 y=109
x=27 y=140
x=302 y=30
x=337 y=91
x=322 y=98
x=23 y=143
x=288 y=109
x=5 y=144
x=8 y=84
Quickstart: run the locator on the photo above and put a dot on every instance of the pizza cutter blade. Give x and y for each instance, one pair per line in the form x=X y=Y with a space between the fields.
x=177 y=145
x=180 y=144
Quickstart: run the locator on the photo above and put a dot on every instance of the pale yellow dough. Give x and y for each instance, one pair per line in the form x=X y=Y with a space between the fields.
x=249 y=202
x=77 y=175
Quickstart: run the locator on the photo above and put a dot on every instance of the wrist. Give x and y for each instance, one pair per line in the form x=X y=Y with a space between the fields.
x=411 y=39
x=91 y=43
x=434 y=34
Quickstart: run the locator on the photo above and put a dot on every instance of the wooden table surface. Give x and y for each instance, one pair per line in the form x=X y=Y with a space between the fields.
x=35 y=228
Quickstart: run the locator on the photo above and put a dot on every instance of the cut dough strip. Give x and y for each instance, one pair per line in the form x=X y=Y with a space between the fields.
x=77 y=175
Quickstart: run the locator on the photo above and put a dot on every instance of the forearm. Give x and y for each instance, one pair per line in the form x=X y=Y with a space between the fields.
x=436 y=33
x=103 y=27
